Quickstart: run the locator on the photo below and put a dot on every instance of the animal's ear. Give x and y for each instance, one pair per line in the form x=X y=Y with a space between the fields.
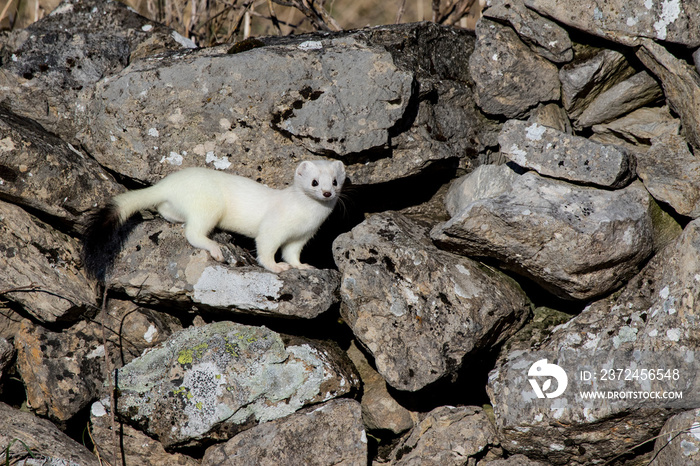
x=339 y=168
x=303 y=168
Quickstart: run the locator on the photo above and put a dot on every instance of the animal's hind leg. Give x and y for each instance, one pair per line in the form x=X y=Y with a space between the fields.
x=292 y=251
x=197 y=233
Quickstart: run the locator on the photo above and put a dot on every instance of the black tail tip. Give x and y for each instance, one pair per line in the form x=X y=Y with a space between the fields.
x=104 y=235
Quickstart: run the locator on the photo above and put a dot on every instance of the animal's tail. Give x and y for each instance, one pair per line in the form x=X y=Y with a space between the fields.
x=108 y=228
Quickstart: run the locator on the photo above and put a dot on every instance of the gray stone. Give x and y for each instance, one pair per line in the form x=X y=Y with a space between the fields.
x=40 y=171
x=157 y=266
x=418 y=310
x=626 y=22
x=10 y=321
x=45 y=66
x=546 y=38
x=64 y=371
x=26 y=438
x=262 y=94
x=593 y=72
x=207 y=383
x=651 y=324
x=678 y=441
x=485 y=181
x=134 y=446
x=581 y=242
x=39 y=269
x=553 y=116
x=515 y=460
x=637 y=129
x=7 y=353
x=330 y=434
x=447 y=436
x=630 y=94
x=283 y=98
x=509 y=78
x=380 y=411
x=671 y=173
x=681 y=84
x=536 y=331
x=559 y=155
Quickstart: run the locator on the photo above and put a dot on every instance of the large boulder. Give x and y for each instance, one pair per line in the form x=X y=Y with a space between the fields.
x=207 y=383
x=418 y=310
x=580 y=242
x=623 y=361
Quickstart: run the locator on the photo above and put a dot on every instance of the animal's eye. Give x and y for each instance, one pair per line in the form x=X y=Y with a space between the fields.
x=314 y=183
x=335 y=182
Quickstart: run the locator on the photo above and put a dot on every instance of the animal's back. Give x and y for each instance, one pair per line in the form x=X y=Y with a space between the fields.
x=237 y=203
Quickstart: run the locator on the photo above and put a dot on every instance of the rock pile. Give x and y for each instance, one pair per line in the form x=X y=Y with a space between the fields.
x=520 y=226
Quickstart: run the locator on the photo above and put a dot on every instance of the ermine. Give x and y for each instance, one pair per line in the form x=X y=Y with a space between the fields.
x=204 y=199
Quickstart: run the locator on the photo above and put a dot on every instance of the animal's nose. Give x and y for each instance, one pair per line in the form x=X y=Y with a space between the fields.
x=327 y=194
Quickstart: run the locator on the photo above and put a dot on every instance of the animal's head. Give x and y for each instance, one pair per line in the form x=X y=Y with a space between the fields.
x=321 y=179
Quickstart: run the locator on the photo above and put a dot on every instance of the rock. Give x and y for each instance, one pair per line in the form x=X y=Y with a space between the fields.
x=64 y=371
x=10 y=321
x=326 y=435
x=666 y=227
x=158 y=266
x=593 y=72
x=553 y=116
x=678 y=442
x=681 y=85
x=651 y=324
x=625 y=22
x=40 y=171
x=515 y=460
x=536 y=331
x=447 y=436
x=379 y=410
x=446 y=122
x=418 y=310
x=137 y=447
x=485 y=181
x=558 y=155
x=581 y=242
x=38 y=268
x=509 y=78
x=56 y=384
x=637 y=129
x=7 y=353
x=544 y=37
x=671 y=173
x=207 y=383
x=27 y=438
x=635 y=92
x=47 y=65
x=137 y=112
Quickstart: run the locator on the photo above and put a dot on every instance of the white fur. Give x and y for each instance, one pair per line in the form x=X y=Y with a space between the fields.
x=203 y=199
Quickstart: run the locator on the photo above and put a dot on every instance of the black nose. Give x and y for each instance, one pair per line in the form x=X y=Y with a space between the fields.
x=327 y=194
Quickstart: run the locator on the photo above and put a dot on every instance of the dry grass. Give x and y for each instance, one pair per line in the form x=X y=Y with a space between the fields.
x=209 y=22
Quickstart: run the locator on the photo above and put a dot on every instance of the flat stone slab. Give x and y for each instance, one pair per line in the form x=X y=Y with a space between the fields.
x=559 y=155
x=158 y=266
x=625 y=22
x=212 y=381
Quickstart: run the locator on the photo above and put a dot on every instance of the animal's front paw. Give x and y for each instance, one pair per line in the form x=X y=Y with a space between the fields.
x=217 y=254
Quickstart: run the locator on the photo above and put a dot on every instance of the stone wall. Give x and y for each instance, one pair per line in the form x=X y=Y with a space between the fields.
x=519 y=199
